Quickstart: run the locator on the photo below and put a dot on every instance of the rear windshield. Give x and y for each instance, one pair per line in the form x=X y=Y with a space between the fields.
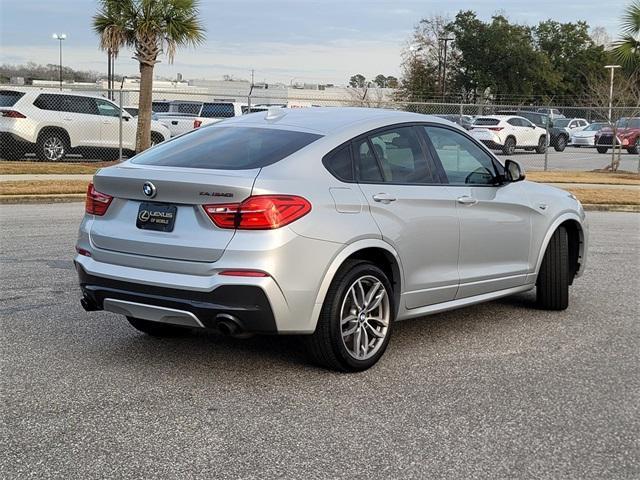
x=227 y=148
x=217 y=110
x=486 y=121
x=8 y=97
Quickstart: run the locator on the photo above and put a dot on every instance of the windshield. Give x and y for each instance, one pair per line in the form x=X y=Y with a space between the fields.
x=594 y=127
x=562 y=123
x=628 y=123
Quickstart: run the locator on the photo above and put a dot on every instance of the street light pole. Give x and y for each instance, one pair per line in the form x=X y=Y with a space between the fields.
x=612 y=68
x=60 y=38
x=444 y=66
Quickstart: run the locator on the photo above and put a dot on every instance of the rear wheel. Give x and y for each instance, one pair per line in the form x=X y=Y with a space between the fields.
x=602 y=149
x=355 y=323
x=509 y=146
x=552 y=285
x=561 y=143
x=542 y=145
x=52 y=146
x=157 y=329
x=156 y=138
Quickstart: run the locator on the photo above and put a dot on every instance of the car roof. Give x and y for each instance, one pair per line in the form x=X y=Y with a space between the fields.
x=498 y=117
x=329 y=119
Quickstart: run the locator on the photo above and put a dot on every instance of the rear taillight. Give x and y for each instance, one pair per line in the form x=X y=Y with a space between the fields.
x=197 y=123
x=12 y=114
x=261 y=212
x=97 y=203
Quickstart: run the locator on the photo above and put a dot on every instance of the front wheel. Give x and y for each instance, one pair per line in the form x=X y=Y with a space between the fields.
x=561 y=143
x=602 y=149
x=542 y=145
x=552 y=285
x=156 y=329
x=357 y=316
x=636 y=147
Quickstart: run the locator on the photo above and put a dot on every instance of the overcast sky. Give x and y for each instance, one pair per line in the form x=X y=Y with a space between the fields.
x=303 y=40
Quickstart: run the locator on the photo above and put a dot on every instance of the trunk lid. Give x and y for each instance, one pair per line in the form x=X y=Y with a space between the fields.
x=194 y=236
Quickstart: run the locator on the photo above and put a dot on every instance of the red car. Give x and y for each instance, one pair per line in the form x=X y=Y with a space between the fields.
x=627 y=135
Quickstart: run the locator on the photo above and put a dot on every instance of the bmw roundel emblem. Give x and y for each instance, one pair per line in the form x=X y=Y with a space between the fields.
x=149 y=189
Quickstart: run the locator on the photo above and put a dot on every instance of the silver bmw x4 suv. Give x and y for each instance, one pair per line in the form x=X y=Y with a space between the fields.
x=328 y=222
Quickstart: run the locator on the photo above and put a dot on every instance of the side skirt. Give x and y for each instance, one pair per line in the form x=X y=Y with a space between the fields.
x=461 y=302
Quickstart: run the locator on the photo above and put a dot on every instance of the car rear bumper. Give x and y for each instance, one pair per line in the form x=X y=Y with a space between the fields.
x=247 y=306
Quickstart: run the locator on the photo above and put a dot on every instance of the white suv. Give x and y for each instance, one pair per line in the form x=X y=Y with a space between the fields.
x=53 y=124
x=508 y=132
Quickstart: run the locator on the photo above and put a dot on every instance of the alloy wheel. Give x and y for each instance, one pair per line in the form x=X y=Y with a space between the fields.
x=364 y=317
x=53 y=148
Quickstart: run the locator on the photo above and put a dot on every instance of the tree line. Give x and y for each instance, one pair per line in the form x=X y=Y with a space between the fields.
x=467 y=59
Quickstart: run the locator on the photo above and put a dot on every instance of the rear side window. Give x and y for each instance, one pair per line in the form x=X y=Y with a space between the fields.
x=66 y=103
x=217 y=110
x=486 y=121
x=401 y=156
x=8 y=97
x=227 y=148
x=339 y=164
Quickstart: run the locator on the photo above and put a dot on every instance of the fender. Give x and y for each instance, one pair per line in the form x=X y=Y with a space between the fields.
x=547 y=238
x=339 y=259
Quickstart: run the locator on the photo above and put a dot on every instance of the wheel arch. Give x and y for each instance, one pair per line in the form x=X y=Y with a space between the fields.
x=56 y=129
x=577 y=243
x=376 y=251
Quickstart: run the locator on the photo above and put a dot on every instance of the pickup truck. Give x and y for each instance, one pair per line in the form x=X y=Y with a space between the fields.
x=205 y=113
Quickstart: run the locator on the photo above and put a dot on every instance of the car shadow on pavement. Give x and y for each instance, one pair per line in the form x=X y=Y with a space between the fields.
x=207 y=352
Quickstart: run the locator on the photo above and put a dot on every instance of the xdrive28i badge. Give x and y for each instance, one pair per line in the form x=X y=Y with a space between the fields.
x=149 y=189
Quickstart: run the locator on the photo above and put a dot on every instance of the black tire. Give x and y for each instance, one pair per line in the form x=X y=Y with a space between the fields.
x=602 y=149
x=636 y=147
x=326 y=346
x=156 y=138
x=157 y=329
x=552 y=285
x=542 y=145
x=48 y=138
x=561 y=143
x=509 y=146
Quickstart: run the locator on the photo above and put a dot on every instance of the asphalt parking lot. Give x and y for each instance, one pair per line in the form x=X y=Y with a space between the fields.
x=500 y=390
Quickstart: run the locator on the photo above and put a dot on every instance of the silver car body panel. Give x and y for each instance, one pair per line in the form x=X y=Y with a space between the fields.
x=448 y=254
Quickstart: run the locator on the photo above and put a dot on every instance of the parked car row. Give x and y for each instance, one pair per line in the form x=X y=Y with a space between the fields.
x=53 y=124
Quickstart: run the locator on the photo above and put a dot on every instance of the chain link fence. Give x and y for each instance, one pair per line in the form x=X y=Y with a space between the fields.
x=98 y=125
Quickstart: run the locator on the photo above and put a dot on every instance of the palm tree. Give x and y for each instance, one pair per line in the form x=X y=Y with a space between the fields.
x=149 y=28
x=627 y=49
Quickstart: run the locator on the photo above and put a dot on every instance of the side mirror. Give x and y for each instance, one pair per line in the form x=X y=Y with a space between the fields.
x=126 y=118
x=513 y=171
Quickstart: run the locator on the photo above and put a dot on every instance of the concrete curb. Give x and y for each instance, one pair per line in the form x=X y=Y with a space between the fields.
x=62 y=198
x=595 y=207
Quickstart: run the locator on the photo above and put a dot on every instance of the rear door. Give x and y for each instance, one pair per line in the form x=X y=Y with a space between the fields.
x=495 y=221
x=413 y=211
x=214 y=165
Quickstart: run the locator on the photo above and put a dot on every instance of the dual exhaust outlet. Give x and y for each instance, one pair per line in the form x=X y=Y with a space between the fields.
x=227 y=324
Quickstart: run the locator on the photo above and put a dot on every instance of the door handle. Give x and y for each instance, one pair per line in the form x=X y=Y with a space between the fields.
x=467 y=200
x=384 y=198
